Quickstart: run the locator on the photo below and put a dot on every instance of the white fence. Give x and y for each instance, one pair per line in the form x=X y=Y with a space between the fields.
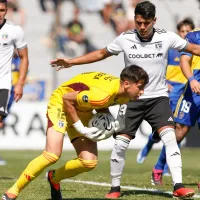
x=26 y=126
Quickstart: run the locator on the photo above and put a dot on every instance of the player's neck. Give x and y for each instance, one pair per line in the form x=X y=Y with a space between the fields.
x=146 y=39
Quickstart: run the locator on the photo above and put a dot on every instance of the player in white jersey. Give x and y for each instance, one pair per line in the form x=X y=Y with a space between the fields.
x=147 y=47
x=11 y=37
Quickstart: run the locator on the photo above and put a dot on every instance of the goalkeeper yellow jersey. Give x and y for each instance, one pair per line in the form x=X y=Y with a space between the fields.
x=97 y=90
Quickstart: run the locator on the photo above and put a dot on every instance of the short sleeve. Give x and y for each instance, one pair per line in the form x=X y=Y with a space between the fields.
x=93 y=98
x=176 y=41
x=19 y=40
x=115 y=47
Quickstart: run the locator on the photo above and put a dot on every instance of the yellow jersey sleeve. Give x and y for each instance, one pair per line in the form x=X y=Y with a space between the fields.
x=94 y=98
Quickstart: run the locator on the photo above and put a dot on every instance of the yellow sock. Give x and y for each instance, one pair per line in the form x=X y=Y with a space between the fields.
x=73 y=168
x=34 y=169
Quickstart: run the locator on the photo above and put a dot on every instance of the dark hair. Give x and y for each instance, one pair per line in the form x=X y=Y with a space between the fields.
x=134 y=73
x=146 y=9
x=187 y=21
x=75 y=26
x=3 y=1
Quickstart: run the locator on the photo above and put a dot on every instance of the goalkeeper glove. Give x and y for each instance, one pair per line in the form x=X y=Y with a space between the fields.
x=91 y=133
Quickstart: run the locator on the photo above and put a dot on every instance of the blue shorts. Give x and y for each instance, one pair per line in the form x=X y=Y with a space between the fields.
x=173 y=102
x=188 y=108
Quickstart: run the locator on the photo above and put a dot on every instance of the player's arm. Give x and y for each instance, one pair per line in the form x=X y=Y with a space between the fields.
x=24 y=62
x=85 y=59
x=185 y=62
x=70 y=102
x=193 y=49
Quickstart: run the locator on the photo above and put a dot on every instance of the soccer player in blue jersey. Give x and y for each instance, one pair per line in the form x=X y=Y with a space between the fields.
x=176 y=83
x=188 y=107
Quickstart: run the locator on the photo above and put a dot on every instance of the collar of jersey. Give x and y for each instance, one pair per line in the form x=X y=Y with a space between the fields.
x=146 y=40
x=3 y=23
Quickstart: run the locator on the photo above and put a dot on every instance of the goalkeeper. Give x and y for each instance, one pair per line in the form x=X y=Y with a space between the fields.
x=69 y=110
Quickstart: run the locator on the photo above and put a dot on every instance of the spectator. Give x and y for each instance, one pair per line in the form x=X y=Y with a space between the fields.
x=74 y=42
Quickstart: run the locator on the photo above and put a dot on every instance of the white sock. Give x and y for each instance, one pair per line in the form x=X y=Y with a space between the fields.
x=173 y=154
x=117 y=161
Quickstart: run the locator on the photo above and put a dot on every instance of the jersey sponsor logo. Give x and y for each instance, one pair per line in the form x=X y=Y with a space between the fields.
x=85 y=98
x=159 y=55
x=134 y=47
x=151 y=55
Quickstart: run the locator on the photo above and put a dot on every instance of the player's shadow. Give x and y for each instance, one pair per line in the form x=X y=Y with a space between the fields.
x=128 y=194
x=82 y=198
x=6 y=178
x=145 y=192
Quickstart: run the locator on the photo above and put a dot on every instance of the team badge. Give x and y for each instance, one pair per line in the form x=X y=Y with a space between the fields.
x=181 y=115
x=61 y=124
x=85 y=98
x=158 y=45
x=4 y=36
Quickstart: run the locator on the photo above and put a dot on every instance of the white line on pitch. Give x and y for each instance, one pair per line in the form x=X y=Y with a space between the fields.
x=125 y=187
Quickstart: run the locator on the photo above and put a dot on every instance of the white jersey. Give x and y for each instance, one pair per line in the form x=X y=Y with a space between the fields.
x=150 y=55
x=11 y=37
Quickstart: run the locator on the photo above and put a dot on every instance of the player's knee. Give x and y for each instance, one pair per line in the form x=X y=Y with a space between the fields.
x=88 y=165
x=51 y=157
x=168 y=136
x=121 y=144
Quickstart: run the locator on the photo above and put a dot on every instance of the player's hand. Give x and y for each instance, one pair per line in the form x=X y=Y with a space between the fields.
x=18 y=92
x=61 y=63
x=91 y=133
x=195 y=86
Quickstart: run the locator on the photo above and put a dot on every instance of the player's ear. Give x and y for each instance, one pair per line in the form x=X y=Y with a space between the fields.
x=154 y=20
x=126 y=84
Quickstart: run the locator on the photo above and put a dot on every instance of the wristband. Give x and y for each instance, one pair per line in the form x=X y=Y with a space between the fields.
x=191 y=78
x=79 y=126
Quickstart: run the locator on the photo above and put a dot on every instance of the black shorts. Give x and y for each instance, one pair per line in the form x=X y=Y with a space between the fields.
x=156 y=111
x=4 y=98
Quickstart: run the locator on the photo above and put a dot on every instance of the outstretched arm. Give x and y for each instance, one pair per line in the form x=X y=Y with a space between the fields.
x=186 y=69
x=85 y=59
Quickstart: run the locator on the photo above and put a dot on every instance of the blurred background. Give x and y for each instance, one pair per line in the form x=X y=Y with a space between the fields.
x=71 y=28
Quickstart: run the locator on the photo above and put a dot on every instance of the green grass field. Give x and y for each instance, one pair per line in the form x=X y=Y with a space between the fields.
x=135 y=175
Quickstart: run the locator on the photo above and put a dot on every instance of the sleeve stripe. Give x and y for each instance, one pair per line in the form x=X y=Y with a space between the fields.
x=101 y=102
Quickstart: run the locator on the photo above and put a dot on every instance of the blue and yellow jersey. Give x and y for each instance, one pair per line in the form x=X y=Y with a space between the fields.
x=97 y=90
x=194 y=37
x=174 y=75
x=15 y=70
